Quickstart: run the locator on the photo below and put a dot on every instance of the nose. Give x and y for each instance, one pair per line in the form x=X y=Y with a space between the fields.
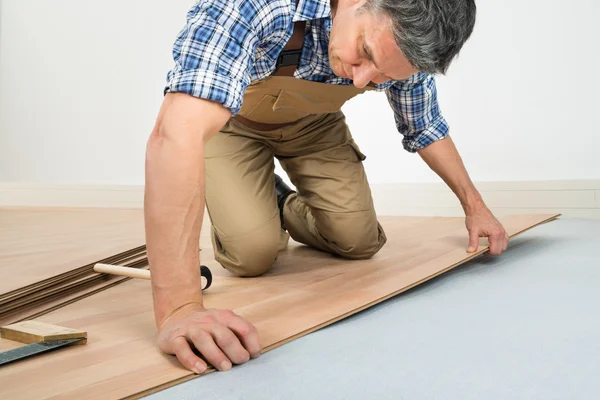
x=363 y=74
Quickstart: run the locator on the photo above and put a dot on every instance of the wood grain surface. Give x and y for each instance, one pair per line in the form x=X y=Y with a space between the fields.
x=38 y=244
x=69 y=288
x=37 y=331
x=306 y=290
x=47 y=255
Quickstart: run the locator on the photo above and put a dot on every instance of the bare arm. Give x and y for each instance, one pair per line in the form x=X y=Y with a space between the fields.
x=443 y=158
x=174 y=198
x=174 y=207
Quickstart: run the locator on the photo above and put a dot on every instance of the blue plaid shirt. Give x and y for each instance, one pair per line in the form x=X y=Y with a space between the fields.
x=227 y=44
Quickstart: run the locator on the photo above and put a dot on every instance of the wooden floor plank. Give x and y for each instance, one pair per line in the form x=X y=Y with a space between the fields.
x=66 y=291
x=66 y=277
x=38 y=243
x=305 y=291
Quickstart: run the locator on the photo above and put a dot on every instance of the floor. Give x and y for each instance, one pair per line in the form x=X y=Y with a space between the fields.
x=521 y=326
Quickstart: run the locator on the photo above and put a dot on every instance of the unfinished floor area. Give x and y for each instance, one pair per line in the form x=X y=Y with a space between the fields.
x=521 y=326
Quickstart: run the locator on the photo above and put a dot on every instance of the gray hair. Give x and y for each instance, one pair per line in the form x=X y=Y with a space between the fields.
x=430 y=33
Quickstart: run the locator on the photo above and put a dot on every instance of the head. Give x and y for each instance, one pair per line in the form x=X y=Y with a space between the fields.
x=381 y=40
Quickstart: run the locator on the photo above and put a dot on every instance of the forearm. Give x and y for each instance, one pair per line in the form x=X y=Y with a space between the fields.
x=174 y=203
x=443 y=158
x=174 y=200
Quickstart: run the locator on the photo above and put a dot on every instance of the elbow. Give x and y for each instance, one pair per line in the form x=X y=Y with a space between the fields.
x=167 y=147
x=174 y=136
x=186 y=123
x=158 y=136
x=155 y=139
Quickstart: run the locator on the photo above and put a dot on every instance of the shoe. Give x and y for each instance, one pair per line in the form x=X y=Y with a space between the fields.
x=283 y=191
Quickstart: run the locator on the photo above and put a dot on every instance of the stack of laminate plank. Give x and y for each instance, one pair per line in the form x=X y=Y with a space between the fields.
x=47 y=256
x=306 y=290
x=50 y=294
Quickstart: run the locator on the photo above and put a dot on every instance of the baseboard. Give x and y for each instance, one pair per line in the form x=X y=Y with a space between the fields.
x=570 y=198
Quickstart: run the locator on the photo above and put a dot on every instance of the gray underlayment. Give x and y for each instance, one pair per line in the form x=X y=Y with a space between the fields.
x=525 y=325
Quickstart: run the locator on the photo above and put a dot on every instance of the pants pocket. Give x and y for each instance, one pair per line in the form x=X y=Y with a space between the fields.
x=268 y=110
x=259 y=109
x=361 y=156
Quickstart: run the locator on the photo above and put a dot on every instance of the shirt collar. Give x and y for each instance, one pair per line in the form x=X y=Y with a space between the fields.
x=312 y=9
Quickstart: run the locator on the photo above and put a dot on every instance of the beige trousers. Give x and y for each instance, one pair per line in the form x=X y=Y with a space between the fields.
x=333 y=208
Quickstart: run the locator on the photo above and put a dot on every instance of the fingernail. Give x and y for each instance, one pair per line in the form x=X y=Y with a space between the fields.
x=225 y=366
x=199 y=368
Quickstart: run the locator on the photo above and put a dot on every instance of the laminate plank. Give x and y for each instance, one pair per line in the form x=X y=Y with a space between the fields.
x=38 y=243
x=69 y=276
x=71 y=280
x=57 y=291
x=6 y=345
x=53 y=303
x=305 y=291
x=65 y=292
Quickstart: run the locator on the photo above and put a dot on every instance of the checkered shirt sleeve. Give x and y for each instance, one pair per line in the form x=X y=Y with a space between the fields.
x=214 y=52
x=416 y=111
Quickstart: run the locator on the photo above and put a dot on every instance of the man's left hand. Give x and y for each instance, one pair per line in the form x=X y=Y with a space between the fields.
x=480 y=223
x=443 y=158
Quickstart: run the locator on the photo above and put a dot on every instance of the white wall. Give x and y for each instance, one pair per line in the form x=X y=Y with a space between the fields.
x=81 y=83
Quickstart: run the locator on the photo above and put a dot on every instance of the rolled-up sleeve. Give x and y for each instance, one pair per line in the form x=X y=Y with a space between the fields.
x=417 y=112
x=214 y=54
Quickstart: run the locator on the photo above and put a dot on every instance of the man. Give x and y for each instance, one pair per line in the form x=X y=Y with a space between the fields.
x=233 y=104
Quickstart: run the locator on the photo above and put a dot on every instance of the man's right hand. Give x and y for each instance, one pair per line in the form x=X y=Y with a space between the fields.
x=222 y=338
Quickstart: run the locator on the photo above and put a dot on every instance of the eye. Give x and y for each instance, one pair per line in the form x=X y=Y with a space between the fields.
x=366 y=52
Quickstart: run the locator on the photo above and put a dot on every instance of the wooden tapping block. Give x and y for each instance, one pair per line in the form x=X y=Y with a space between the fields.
x=40 y=332
x=129 y=272
x=39 y=338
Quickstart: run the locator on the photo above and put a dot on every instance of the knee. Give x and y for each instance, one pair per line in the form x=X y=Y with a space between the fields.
x=255 y=257
x=358 y=239
x=251 y=255
x=358 y=246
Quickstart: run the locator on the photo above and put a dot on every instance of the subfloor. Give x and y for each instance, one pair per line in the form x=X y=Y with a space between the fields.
x=521 y=326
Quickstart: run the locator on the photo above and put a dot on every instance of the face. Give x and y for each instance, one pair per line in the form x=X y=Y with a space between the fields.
x=362 y=46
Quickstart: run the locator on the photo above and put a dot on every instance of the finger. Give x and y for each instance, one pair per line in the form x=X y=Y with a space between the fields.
x=186 y=356
x=502 y=242
x=473 y=241
x=230 y=344
x=203 y=341
x=496 y=244
x=247 y=334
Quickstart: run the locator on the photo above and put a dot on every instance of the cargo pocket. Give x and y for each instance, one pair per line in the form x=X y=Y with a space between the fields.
x=361 y=156
x=308 y=103
x=260 y=110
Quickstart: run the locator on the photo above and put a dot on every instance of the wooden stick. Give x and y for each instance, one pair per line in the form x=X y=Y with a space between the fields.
x=36 y=332
x=122 y=271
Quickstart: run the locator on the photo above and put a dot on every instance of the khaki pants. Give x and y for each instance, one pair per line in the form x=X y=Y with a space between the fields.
x=333 y=208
